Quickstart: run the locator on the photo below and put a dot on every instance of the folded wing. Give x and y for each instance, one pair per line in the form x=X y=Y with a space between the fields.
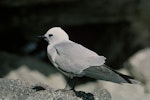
x=74 y=58
x=105 y=73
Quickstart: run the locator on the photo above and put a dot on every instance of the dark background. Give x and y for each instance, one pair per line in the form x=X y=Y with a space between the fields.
x=114 y=29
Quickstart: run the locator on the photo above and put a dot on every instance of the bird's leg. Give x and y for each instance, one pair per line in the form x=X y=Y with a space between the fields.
x=75 y=80
x=72 y=82
x=68 y=81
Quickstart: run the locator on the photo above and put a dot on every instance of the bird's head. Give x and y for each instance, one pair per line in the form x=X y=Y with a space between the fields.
x=55 y=35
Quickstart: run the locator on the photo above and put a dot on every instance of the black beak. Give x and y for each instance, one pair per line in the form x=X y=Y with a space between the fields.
x=41 y=37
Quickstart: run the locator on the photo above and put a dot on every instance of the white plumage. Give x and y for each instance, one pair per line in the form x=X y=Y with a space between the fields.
x=74 y=60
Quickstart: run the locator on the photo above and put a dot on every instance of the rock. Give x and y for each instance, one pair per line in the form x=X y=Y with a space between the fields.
x=117 y=91
x=139 y=66
x=125 y=91
x=37 y=72
x=30 y=69
x=102 y=94
x=21 y=90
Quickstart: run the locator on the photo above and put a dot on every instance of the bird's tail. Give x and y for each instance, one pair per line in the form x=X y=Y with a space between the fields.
x=107 y=74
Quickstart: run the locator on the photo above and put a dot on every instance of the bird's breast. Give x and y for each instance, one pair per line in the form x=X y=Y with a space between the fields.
x=51 y=52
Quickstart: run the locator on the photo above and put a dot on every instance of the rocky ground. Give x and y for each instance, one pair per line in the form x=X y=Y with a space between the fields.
x=36 y=72
x=118 y=30
x=21 y=90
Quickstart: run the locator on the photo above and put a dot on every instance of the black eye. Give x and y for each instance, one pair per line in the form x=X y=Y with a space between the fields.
x=50 y=35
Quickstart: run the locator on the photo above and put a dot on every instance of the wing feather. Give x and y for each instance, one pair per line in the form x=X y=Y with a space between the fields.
x=73 y=57
x=105 y=73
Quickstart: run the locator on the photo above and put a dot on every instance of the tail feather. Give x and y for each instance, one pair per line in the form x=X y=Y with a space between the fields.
x=129 y=79
x=126 y=77
x=105 y=73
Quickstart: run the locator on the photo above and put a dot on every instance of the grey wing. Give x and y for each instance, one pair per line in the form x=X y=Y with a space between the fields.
x=105 y=73
x=73 y=57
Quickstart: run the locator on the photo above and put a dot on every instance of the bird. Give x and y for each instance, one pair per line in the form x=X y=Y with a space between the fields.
x=75 y=60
